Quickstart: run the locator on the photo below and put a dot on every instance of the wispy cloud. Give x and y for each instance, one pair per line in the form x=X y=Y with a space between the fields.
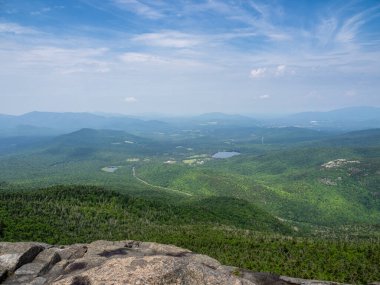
x=258 y=20
x=139 y=8
x=60 y=55
x=351 y=26
x=41 y=11
x=212 y=5
x=156 y=60
x=326 y=31
x=65 y=61
x=14 y=28
x=170 y=39
x=343 y=29
x=131 y=57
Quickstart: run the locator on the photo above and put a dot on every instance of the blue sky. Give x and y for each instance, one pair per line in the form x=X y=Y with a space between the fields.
x=188 y=57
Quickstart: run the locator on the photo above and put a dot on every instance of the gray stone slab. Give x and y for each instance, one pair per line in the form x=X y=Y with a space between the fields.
x=19 y=280
x=30 y=269
x=9 y=261
x=14 y=255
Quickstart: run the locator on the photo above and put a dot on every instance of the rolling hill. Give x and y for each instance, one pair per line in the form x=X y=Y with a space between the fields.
x=285 y=174
x=303 y=193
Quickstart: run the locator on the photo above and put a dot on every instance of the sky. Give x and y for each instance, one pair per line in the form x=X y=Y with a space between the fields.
x=188 y=57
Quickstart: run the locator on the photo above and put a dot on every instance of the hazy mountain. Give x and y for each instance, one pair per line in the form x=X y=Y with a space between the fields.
x=49 y=123
x=353 y=118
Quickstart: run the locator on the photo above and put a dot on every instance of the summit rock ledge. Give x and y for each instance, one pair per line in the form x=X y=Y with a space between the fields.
x=123 y=262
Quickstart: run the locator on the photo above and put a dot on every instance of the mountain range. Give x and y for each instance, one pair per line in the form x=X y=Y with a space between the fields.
x=50 y=123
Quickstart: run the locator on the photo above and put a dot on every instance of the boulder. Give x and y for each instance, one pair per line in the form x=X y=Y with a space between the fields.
x=124 y=262
x=41 y=264
x=15 y=255
x=154 y=269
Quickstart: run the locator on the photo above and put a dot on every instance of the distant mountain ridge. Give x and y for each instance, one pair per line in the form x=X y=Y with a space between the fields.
x=353 y=114
x=51 y=123
x=354 y=118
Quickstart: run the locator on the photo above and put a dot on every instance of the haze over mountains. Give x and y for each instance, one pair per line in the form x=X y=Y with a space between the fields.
x=49 y=123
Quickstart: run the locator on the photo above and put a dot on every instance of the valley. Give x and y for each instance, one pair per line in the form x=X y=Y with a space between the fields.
x=294 y=193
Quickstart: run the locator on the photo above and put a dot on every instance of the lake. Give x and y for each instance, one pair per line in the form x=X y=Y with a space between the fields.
x=225 y=154
x=110 y=168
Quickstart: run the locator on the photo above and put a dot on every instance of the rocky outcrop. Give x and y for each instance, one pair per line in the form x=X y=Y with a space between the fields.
x=123 y=262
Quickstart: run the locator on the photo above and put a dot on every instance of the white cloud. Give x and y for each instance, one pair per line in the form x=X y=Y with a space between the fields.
x=265 y=96
x=170 y=39
x=258 y=72
x=280 y=70
x=130 y=99
x=15 y=29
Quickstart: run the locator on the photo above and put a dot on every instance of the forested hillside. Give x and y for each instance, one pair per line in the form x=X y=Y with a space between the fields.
x=230 y=230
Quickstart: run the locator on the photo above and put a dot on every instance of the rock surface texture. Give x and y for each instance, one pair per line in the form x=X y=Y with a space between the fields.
x=123 y=262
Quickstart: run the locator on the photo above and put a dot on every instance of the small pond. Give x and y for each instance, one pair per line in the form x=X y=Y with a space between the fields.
x=110 y=168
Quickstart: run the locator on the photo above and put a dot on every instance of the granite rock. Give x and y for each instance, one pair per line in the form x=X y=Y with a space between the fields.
x=124 y=262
